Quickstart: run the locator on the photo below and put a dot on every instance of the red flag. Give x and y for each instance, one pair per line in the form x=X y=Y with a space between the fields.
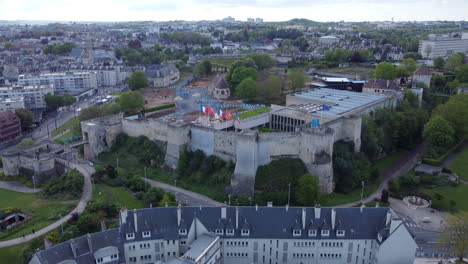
x=210 y=111
x=229 y=116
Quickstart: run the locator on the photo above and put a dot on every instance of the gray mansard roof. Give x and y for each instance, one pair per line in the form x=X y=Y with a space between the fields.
x=263 y=222
x=160 y=70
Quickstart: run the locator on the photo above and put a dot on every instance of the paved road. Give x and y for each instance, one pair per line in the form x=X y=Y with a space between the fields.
x=394 y=171
x=18 y=187
x=86 y=170
x=191 y=198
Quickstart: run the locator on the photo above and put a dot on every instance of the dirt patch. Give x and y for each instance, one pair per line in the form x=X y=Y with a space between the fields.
x=157 y=96
x=201 y=82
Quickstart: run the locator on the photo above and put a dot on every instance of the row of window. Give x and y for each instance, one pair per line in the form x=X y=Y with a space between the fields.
x=237 y=254
x=330 y=255
x=331 y=244
x=237 y=243
x=304 y=244
x=112 y=257
x=303 y=255
x=339 y=233
x=230 y=232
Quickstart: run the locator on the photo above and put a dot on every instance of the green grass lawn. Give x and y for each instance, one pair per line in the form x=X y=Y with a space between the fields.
x=457 y=194
x=225 y=61
x=42 y=212
x=334 y=199
x=13 y=254
x=385 y=163
x=254 y=112
x=460 y=165
x=117 y=194
x=68 y=125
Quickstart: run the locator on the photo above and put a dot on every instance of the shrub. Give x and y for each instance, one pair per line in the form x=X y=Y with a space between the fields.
x=67 y=186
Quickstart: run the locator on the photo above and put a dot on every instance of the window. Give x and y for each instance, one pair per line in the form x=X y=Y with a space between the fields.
x=219 y=231
x=183 y=242
x=312 y=232
x=146 y=234
x=230 y=232
x=325 y=232
x=245 y=232
x=130 y=236
x=182 y=231
x=296 y=232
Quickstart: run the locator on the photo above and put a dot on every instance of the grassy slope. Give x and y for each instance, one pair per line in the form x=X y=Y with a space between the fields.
x=42 y=211
x=119 y=195
x=458 y=194
x=68 y=125
x=12 y=254
x=460 y=165
x=225 y=62
x=385 y=163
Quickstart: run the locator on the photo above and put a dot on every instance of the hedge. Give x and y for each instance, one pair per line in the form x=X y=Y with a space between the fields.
x=154 y=109
x=438 y=161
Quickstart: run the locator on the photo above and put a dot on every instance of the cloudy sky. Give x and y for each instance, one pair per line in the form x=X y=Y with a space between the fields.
x=269 y=10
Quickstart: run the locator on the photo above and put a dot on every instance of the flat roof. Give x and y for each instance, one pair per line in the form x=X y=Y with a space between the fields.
x=335 y=79
x=340 y=101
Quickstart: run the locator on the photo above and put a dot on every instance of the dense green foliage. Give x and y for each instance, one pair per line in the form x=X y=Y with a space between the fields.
x=246 y=89
x=55 y=101
x=203 y=68
x=386 y=71
x=27 y=142
x=141 y=147
x=269 y=88
x=26 y=117
x=439 y=63
x=263 y=34
x=67 y=186
x=58 y=49
x=308 y=190
x=438 y=135
x=263 y=61
x=208 y=170
x=137 y=80
x=296 y=80
x=187 y=38
x=156 y=55
x=131 y=101
x=272 y=180
x=254 y=112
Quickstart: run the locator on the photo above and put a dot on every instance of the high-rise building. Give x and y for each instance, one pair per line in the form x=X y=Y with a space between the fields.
x=71 y=82
x=10 y=126
x=443 y=45
x=33 y=96
x=244 y=235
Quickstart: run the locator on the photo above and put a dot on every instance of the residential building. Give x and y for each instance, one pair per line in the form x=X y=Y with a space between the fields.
x=71 y=82
x=244 y=235
x=424 y=75
x=10 y=126
x=443 y=46
x=33 y=96
x=379 y=86
x=259 y=20
x=160 y=75
x=11 y=104
x=105 y=75
x=229 y=19
x=328 y=40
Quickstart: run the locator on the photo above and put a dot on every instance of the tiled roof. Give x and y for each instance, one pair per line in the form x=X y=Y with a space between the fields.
x=423 y=70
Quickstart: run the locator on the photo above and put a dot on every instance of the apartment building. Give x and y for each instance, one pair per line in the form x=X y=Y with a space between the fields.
x=105 y=75
x=10 y=126
x=244 y=235
x=71 y=82
x=11 y=104
x=443 y=46
x=33 y=96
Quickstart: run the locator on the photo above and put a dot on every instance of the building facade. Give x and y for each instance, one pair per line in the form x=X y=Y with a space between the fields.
x=379 y=86
x=11 y=104
x=10 y=126
x=160 y=75
x=71 y=82
x=424 y=75
x=244 y=235
x=33 y=96
x=443 y=46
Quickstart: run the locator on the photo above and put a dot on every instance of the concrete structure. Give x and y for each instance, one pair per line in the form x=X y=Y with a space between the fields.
x=219 y=88
x=71 y=82
x=379 y=86
x=11 y=104
x=105 y=75
x=328 y=40
x=443 y=46
x=10 y=126
x=160 y=75
x=33 y=96
x=38 y=161
x=424 y=75
x=244 y=235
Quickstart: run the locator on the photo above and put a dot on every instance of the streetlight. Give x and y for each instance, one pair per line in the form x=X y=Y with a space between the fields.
x=362 y=191
x=289 y=192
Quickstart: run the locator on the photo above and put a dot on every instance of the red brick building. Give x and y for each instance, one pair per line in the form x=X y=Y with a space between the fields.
x=10 y=126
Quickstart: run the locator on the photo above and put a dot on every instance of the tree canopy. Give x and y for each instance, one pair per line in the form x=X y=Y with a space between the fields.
x=203 y=68
x=241 y=73
x=296 y=79
x=55 y=101
x=308 y=190
x=138 y=80
x=438 y=135
x=246 y=89
x=26 y=117
x=385 y=70
x=131 y=101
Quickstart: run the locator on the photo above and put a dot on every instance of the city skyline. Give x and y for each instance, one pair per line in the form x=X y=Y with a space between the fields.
x=273 y=10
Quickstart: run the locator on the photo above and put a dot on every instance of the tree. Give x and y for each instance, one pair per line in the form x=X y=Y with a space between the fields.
x=53 y=101
x=439 y=63
x=413 y=55
x=428 y=50
x=308 y=190
x=242 y=73
x=296 y=79
x=384 y=196
x=439 y=135
x=410 y=65
x=454 y=62
x=134 y=44
x=27 y=142
x=385 y=70
x=456 y=235
x=263 y=61
x=246 y=89
x=356 y=57
x=91 y=113
x=137 y=80
x=269 y=88
x=455 y=110
x=203 y=68
x=167 y=199
x=462 y=73
x=68 y=99
x=131 y=101
x=26 y=117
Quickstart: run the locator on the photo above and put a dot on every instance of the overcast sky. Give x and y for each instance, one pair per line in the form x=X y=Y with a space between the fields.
x=269 y=10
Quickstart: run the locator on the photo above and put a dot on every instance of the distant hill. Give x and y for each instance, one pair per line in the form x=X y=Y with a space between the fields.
x=302 y=21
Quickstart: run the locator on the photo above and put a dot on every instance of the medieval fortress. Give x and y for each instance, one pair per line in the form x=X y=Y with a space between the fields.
x=251 y=148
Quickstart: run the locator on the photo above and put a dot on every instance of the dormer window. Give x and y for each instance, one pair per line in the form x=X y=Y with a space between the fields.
x=146 y=234
x=130 y=236
x=219 y=231
x=325 y=232
x=182 y=231
x=379 y=237
x=340 y=233
x=312 y=232
x=296 y=232
x=230 y=232
x=245 y=232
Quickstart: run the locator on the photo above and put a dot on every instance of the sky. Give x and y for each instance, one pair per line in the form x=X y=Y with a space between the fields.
x=269 y=10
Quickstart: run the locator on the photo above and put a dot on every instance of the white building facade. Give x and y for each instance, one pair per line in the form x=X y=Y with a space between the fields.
x=71 y=82
x=11 y=104
x=33 y=96
x=442 y=46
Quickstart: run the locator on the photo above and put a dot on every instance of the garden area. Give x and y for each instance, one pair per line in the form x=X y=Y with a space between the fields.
x=460 y=165
x=254 y=112
x=119 y=195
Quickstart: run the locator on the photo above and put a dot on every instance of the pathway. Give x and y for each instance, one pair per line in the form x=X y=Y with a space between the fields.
x=18 y=187
x=189 y=197
x=86 y=170
x=452 y=156
x=402 y=166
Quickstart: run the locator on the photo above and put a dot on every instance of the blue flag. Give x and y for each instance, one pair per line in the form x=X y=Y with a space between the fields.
x=325 y=107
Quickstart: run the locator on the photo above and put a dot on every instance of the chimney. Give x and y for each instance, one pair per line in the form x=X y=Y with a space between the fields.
x=135 y=219
x=123 y=216
x=377 y=204
x=256 y=207
x=317 y=212
x=223 y=211
x=362 y=208
x=237 y=217
x=287 y=207
x=389 y=218
x=388 y=83
x=333 y=218
x=90 y=244
x=73 y=248
x=303 y=218
x=269 y=204
x=179 y=214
